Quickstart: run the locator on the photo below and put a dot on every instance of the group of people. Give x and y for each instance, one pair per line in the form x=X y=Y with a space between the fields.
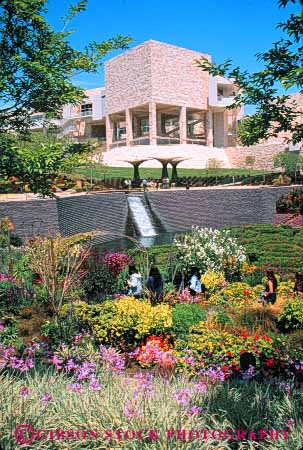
x=149 y=183
x=155 y=284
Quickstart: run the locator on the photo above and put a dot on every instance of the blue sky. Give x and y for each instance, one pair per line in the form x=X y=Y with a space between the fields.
x=236 y=29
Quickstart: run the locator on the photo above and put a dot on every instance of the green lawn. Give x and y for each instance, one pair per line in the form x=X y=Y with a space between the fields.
x=97 y=172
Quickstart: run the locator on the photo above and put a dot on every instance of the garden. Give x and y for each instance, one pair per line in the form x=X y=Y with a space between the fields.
x=85 y=364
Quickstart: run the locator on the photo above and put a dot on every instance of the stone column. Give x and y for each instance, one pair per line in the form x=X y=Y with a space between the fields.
x=129 y=127
x=183 y=125
x=225 y=128
x=152 y=123
x=209 y=128
x=109 y=132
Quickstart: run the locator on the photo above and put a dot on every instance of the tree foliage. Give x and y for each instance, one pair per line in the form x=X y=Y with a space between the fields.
x=38 y=162
x=37 y=63
x=282 y=68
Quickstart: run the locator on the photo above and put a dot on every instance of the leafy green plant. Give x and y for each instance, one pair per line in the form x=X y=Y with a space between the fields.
x=184 y=317
x=291 y=317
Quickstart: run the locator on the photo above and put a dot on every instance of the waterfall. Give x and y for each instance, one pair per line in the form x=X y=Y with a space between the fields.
x=141 y=216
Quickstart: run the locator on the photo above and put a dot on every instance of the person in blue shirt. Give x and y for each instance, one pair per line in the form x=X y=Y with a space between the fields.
x=195 y=286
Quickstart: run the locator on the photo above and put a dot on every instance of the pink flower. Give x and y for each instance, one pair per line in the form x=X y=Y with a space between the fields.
x=46 y=398
x=74 y=387
x=24 y=392
x=193 y=411
x=182 y=397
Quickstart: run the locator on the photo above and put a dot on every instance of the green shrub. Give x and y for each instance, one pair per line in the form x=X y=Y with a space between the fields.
x=291 y=317
x=185 y=317
x=295 y=345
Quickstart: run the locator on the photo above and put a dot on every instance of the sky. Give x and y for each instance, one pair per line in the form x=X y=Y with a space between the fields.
x=235 y=29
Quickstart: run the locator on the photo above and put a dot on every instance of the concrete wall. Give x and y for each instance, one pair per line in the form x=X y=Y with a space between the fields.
x=32 y=217
x=215 y=208
x=155 y=72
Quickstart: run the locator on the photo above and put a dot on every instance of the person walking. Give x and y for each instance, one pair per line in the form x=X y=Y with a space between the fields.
x=269 y=294
x=144 y=184
x=134 y=283
x=155 y=283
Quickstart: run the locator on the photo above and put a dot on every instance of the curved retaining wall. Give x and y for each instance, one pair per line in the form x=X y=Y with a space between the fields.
x=180 y=210
x=177 y=210
x=102 y=212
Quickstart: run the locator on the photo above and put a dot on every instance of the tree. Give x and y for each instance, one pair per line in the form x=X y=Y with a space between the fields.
x=37 y=62
x=288 y=161
x=213 y=165
x=250 y=161
x=38 y=162
x=283 y=68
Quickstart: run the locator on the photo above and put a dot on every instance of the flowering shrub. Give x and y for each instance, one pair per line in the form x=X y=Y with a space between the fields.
x=156 y=350
x=116 y=262
x=185 y=297
x=209 y=249
x=213 y=280
x=285 y=288
x=125 y=321
x=208 y=347
x=236 y=294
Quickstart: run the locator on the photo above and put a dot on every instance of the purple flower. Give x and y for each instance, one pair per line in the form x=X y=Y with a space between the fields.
x=194 y=410
x=74 y=387
x=214 y=375
x=201 y=387
x=24 y=392
x=46 y=398
x=94 y=384
x=70 y=365
x=56 y=362
x=290 y=422
x=112 y=359
x=1 y=328
x=182 y=397
x=189 y=360
x=132 y=409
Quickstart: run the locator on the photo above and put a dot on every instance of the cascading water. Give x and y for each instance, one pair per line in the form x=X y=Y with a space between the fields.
x=141 y=216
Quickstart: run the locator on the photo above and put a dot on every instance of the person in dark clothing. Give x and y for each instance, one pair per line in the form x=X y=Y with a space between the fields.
x=155 y=283
x=270 y=292
x=298 y=287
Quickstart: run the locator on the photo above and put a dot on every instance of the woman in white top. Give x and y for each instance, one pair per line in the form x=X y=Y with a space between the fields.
x=134 y=283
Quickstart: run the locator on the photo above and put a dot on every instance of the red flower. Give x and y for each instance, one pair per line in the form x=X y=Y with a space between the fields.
x=225 y=368
x=256 y=338
x=230 y=353
x=269 y=362
x=267 y=338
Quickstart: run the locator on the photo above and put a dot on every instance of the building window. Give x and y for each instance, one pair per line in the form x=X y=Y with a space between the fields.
x=121 y=133
x=87 y=109
x=144 y=125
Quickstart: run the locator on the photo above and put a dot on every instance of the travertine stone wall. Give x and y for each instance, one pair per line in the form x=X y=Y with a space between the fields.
x=155 y=72
x=263 y=154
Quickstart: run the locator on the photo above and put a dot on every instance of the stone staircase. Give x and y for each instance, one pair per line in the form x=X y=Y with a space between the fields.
x=196 y=155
